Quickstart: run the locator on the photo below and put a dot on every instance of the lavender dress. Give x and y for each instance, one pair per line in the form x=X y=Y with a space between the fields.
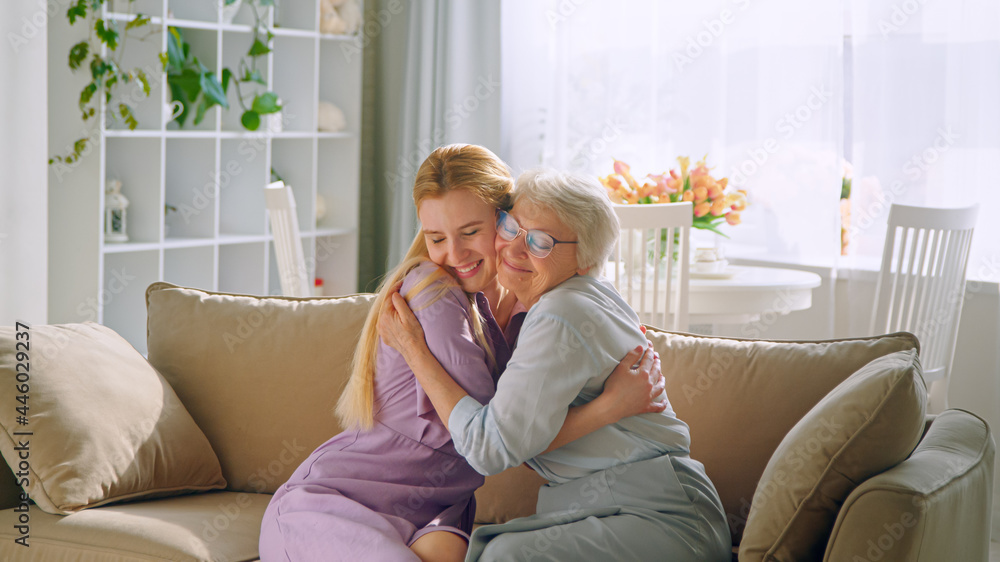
x=367 y=495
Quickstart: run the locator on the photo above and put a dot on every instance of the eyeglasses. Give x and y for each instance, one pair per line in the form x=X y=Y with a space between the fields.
x=539 y=243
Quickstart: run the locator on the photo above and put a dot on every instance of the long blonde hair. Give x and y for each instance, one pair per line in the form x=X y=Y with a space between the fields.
x=452 y=167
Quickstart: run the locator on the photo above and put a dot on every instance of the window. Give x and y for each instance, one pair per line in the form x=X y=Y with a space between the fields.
x=775 y=93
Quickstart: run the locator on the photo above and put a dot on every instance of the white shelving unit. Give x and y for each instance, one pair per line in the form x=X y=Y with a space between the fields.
x=213 y=173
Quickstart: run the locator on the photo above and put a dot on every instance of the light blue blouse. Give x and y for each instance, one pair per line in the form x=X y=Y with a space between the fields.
x=571 y=340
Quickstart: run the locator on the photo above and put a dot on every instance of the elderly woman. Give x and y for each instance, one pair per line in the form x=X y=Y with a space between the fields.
x=628 y=491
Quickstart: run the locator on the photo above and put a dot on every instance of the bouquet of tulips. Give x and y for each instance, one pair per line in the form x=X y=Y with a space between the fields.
x=712 y=204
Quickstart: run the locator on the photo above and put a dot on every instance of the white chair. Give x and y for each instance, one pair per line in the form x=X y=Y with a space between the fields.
x=921 y=285
x=287 y=240
x=642 y=224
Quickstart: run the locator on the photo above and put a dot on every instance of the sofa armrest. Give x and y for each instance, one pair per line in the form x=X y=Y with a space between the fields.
x=933 y=506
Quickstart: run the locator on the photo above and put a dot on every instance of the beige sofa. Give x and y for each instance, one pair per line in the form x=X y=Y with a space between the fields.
x=259 y=377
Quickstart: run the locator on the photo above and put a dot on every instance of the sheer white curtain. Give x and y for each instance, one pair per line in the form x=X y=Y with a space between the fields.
x=450 y=92
x=755 y=85
x=926 y=117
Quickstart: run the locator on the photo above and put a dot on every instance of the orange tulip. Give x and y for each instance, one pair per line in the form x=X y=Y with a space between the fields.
x=702 y=209
x=622 y=169
x=737 y=201
x=700 y=194
x=718 y=207
x=663 y=186
x=687 y=196
x=733 y=218
x=723 y=183
x=715 y=192
x=647 y=188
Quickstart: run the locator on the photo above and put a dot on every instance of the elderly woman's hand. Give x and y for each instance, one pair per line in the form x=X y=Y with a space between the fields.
x=636 y=391
x=398 y=326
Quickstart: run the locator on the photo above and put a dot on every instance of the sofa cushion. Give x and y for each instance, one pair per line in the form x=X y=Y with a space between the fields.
x=260 y=375
x=208 y=527
x=868 y=424
x=103 y=425
x=740 y=397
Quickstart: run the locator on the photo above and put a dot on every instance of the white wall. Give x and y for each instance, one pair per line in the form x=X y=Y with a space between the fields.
x=23 y=163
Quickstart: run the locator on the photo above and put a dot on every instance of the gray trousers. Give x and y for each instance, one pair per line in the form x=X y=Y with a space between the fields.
x=663 y=508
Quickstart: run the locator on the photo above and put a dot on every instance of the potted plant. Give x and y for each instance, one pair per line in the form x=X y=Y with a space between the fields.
x=195 y=86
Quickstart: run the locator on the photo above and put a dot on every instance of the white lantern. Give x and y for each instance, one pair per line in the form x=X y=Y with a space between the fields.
x=115 y=205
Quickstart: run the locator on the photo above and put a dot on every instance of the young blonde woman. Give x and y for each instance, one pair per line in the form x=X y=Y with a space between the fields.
x=392 y=487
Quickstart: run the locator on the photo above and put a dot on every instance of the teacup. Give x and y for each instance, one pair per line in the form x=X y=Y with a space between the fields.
x=708 y=260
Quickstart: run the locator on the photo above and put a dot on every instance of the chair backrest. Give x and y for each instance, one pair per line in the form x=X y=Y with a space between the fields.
x=649 y=232
x=287 y=240
x=921 y=284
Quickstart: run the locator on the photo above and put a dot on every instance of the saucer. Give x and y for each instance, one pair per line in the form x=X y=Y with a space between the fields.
x=727 y=273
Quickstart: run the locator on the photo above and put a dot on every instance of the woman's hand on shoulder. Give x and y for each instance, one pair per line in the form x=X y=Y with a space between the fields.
x=398 y=326
x=633 y=391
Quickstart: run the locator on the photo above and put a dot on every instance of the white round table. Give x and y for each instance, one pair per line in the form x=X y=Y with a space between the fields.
x=749 y=293
x=746 y=295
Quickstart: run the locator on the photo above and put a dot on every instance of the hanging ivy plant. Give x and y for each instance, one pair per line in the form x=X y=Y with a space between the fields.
x=106 y=72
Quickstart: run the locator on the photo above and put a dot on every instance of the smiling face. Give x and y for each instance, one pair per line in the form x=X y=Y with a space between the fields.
x=527 y=276
x=459 y=229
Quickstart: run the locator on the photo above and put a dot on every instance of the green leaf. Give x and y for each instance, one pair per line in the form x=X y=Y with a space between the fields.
x=164 y=60
x=97 y=66
x=189 y=81
x=202 y=108
x=79 y=10
x=709 y=226
x=110 y=82
x=79 y=145
x=78 y=54
x=212 y=90
x=107 y=35
x=175 y=50
x=139 y=21
x=144 y=80
x=267 y=102
x=254 y=76
x=230 y=2
x=87 y=93
x=258 y=48
x=266 y=2
x=250 y=120
x=227 y=75
x=126 y=113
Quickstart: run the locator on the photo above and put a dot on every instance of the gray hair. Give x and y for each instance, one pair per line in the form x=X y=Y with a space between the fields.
x=581 y=204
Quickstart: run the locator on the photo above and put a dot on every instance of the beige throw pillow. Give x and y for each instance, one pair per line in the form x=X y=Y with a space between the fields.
x=260 y=375
x=868 y=424
x=102 y=424
x=740 y=397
